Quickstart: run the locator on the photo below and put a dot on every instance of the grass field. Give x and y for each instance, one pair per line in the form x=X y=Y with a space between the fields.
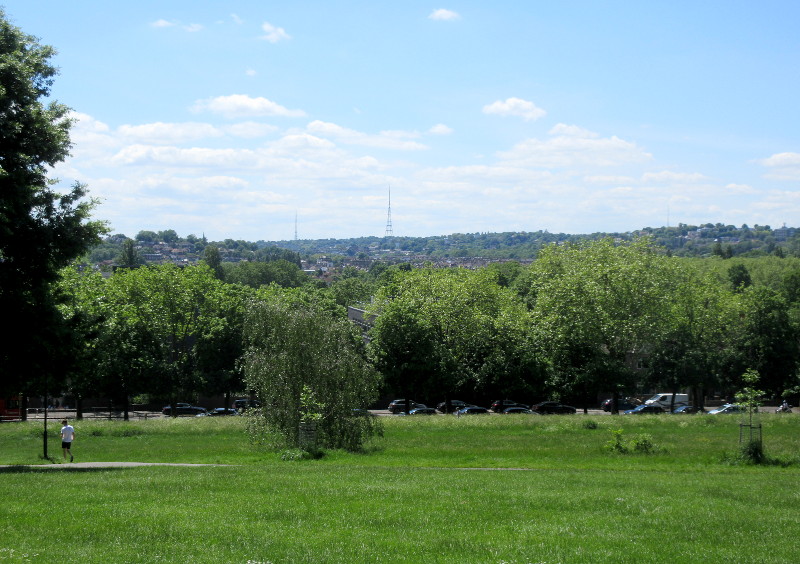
x=492 y=489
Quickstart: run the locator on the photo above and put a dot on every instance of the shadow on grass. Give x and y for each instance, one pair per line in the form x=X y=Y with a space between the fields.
x=25 y=469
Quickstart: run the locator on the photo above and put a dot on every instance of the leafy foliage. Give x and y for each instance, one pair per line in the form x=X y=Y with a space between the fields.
x=309 y=367
x=41 y=230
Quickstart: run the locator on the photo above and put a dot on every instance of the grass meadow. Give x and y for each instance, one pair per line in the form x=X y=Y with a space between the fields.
x=494 y=489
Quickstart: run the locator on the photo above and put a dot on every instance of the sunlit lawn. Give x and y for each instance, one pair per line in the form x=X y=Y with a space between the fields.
x=481 y=489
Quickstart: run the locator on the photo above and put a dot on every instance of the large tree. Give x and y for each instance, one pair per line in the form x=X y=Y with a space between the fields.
x=599 y=308
x=308 y=368
x=42 y=228
x=441 y=332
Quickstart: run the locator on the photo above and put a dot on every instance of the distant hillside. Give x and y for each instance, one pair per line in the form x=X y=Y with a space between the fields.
x=683 y=240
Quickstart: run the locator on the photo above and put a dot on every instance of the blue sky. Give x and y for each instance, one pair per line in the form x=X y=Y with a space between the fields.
x=233 y=118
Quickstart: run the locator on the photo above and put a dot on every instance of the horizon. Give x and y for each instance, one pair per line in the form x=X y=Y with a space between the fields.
x=571 y=117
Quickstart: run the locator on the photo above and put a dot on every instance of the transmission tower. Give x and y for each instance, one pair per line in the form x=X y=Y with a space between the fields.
x=389 y=232
x=295 y=226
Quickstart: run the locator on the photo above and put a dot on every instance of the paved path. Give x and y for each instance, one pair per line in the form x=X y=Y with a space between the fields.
x=102 y=465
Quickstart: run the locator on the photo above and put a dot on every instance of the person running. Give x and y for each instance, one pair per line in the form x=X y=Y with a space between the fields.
x=67 y=436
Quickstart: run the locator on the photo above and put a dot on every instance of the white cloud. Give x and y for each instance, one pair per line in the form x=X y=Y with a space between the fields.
x=273 y=34
x=240 y=105
x=565 y=151
x=385 y=140
x=564 y=130
x=515 y=107
x=782 y=166
x=669 y=176
x=250 y=72
x=444 y=15
x=169 y=133
x=741 y=189
x=440 y=129
x=162 y=23
x=236 y=19
x=192 y=28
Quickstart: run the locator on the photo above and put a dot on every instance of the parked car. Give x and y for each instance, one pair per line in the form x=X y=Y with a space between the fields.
x=728 y=408
x=622 y=404
x=399 y=406
x=455 y=405
x=644 y=409
x=511 y=410
x=499 y=405
x=551 y=407
x=472 y=410
x=422 y=411
x=242 y=404
x=684 y=409
x=183 y=409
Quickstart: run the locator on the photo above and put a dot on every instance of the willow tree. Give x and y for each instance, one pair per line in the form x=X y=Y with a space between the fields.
x=309 y=371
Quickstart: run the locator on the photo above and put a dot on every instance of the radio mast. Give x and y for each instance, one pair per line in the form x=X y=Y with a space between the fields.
x=389 y=232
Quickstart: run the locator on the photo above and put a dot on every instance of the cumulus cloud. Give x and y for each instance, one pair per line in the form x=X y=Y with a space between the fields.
x=444 y=15
x=515 y=107
x=440 y=129
x=273 y=34
x=564 y=130
x=385 y=140
x=240 y=105
x=166 y=23
x=669 y=176
x=570 y=150
x=782 y=166
x=168 y=133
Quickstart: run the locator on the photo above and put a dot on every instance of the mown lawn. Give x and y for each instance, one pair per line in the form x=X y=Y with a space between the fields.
x=482 y=489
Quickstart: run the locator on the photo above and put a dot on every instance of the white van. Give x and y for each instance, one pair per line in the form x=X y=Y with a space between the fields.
x=664 y=400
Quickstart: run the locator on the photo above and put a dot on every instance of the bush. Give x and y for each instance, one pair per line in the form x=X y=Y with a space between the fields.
x=639 y=444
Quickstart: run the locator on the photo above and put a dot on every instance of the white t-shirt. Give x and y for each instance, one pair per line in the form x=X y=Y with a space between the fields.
x=67 y=433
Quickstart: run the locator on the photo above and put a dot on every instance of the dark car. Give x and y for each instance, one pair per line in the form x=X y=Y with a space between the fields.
x=183 y=409
x=622 y=404
x=242 y=404
x=511 y=410
x=399 y=406
x=455 y=405
x=472 y=410
x=684 y=409
x=500 y=405
x=550 y=407
x=644 y=409
x=422 y=411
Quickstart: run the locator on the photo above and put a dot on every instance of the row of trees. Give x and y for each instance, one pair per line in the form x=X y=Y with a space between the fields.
x=583 y=319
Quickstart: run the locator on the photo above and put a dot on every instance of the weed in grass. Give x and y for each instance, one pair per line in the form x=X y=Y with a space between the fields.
x=301 y=454
x=589 y=424
x=639 y=444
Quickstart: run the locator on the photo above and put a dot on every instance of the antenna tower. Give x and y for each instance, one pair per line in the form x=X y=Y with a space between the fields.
x=389 y=232
x=295 y=226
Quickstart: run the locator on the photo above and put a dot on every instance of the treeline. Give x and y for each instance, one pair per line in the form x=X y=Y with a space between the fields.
x=707 y=240
x=582 y=319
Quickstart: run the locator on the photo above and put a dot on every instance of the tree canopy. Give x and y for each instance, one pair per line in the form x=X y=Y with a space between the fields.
x=41 y=229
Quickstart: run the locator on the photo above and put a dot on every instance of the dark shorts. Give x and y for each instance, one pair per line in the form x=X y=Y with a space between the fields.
x=65 y=444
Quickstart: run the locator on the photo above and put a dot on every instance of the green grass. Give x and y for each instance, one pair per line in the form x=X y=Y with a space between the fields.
x=480 y=489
